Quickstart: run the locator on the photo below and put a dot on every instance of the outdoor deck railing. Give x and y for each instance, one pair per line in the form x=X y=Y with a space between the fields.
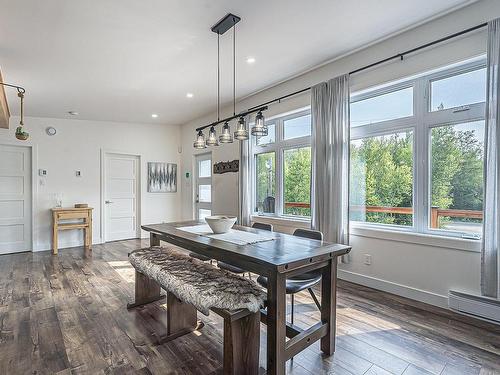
x=436 y=212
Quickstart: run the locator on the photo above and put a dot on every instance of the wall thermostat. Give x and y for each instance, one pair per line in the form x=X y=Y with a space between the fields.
x=50 y=130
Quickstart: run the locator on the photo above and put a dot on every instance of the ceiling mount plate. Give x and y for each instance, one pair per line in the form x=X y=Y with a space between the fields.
x=226 y=23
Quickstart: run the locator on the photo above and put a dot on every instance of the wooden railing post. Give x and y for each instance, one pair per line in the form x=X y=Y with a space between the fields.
x=434 y=217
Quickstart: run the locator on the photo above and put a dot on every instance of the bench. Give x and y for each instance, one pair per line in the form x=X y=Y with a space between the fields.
x=192 y=286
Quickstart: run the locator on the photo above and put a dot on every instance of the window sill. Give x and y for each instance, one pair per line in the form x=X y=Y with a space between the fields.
x=282 y=221
x=416 y=238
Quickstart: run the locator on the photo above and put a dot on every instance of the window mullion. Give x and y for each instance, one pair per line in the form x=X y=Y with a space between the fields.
x=279 y=168
x=420 y=157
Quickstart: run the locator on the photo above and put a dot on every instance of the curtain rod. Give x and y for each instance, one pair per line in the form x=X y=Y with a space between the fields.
x=387 y=59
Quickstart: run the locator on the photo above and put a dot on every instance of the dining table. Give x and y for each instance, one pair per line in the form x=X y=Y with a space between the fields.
x=277 y=256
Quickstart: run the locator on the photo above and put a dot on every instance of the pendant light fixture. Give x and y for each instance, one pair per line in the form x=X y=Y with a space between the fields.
x=226 y=23
x=200 y=141
x=226 y=136
x=20 y=133
x=212 y=137
x=260 y=128
x=241 y=132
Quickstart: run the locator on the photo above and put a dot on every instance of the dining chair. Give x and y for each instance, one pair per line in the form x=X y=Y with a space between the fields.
x=229 y=267
x=303 y=281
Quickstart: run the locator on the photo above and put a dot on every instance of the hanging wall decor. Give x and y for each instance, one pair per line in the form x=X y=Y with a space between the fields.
x=162 y=177
x=226 y=166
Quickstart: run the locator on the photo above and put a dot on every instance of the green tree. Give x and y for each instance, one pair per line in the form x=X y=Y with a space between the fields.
x=297 y=180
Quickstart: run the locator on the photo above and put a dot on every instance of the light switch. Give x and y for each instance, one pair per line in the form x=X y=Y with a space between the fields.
x=42 y=172
x=78 y=174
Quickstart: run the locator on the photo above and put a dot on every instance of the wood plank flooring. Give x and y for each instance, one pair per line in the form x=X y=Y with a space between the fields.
x=66 y=314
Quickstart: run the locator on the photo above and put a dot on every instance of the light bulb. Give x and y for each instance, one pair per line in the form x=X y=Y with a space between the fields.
x=212 y=138
x=241 y=132
x=200 y=141
x=260 y=128
x=226 y=136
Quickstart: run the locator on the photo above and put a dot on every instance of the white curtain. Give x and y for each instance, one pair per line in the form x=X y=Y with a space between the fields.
x=245 y=193
x=490 y=256
x=330 y=155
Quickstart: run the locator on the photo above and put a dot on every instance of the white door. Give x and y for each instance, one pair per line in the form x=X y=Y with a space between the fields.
x=203 y=186
x=15 y=199
x=121 y=196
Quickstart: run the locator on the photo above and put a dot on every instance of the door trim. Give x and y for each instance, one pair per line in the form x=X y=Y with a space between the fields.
x=195 y=182
x=34 y=184
x=104 y=153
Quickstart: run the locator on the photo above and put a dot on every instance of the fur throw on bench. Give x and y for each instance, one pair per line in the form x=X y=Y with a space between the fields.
x=196 y=282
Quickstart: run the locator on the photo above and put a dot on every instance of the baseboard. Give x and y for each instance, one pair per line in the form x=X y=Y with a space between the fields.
x=394 y=288
x=64 y=244
x=478 y=306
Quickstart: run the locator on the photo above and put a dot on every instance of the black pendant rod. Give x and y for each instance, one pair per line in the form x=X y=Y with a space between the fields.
x=387 y=59
x=234 y=70
x=19 y=88
x=218 y=77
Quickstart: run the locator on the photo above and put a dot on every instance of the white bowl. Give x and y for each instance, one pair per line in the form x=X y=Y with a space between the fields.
x=220 y=223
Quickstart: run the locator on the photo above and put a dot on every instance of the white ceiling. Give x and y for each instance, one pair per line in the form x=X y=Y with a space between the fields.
x=123 y=60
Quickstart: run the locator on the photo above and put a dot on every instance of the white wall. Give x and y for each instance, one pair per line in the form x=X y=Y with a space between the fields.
x=423 y=270
x=77 y=146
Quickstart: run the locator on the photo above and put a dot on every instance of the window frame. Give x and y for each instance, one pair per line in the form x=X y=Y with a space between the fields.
x=421 y=123
x=278 y=147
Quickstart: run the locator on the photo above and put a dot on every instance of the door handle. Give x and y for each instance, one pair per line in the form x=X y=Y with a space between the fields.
x=108 y=202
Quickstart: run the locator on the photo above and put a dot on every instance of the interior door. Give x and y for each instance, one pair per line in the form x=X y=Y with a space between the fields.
x=121 y=197
x=15 y=199
x=203 y=186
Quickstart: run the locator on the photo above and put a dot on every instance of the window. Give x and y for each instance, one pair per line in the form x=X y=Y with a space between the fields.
x=269 y=138
x=282 y=167
x=457 y=177
x=381 y=181
x=297 y=127
x=265 y=170
x=417 y=153
x=458 y=90
x=297 y=181
x=383 y=107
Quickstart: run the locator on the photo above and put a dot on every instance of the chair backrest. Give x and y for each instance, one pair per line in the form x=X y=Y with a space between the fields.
x=264 y=226
x=308 y=233
x=268 y=204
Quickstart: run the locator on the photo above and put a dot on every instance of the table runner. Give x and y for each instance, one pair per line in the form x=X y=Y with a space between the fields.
x=238 y=237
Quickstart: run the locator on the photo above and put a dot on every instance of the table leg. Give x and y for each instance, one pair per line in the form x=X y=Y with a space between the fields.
x=54 y=236
x=328 y=305
x=154 y=240
x=90 y=230
x=276 y=315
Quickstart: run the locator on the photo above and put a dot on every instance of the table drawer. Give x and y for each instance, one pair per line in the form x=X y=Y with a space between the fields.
x=72 y=215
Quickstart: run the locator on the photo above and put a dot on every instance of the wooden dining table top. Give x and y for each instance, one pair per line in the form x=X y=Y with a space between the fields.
x=283 y=254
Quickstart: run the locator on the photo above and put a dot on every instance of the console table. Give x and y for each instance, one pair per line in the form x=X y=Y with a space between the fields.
x=59 y=221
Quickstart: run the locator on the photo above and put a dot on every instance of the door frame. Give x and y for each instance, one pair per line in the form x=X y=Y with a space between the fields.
x=34 y=183
x=104 y=153
x=195 y=182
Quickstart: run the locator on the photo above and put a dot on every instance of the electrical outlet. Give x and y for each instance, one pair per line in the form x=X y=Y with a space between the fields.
x=78 y=174
x=368 y=259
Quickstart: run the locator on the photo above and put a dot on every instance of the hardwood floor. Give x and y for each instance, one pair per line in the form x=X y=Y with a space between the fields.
x=67 y=314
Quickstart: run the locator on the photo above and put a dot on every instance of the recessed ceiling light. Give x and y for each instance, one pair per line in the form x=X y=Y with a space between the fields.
x=73 y=113
x=154 y=115
x=250 y=60
x=189 y=95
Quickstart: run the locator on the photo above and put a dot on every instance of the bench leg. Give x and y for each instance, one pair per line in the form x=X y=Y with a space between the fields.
x=241 y=345
x=181 y=319
x=146 y=291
